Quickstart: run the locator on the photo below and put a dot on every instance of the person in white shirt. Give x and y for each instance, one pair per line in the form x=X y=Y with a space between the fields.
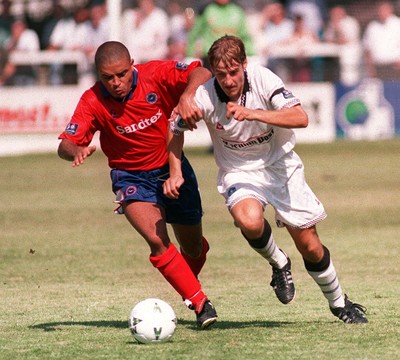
x=96 y=29
x=250 y=116
x=344 y=30
x=22 y=38
x=95 y=32
x=381 y=43
x=341 y=29
x=276 y=29
x=68 y=34
x=312 y=11
x=146 y=31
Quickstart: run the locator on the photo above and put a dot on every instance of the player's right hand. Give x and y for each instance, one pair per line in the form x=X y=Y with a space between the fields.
x=171 y=186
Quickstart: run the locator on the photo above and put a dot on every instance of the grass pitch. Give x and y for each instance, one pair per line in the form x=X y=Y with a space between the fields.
x=71 y=270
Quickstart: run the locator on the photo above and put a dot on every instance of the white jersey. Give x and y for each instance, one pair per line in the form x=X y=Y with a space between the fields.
x=256 y=160
x=247 y=145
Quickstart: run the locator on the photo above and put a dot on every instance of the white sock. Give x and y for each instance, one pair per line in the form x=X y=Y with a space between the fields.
x=329 y=284
x=275 y=256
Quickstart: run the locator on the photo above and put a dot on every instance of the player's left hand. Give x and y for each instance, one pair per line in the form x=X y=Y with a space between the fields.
x=171 y=186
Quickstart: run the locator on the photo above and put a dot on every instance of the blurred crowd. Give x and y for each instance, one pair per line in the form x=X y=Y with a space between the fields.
x=367 y=33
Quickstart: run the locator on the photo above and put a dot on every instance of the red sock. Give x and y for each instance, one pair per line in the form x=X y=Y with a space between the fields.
x=177 y=272
x=196 y=264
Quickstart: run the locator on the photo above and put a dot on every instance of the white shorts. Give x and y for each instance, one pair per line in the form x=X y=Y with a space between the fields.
x=282 y=185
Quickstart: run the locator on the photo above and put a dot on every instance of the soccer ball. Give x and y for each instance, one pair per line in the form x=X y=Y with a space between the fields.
x=152 y=321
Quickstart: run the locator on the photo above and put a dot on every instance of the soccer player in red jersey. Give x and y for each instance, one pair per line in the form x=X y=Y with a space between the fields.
x=130 y=106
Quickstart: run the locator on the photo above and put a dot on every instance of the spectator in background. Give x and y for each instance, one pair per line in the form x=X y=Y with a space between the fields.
x=313 y=12
x=96 y=31
x=218 y=18
x=344 y=30
x=6 y=19
x=37 y=13
x=181 y=24
x=59 y=13
x=181 y=20
x=22 y=39
x=176 y=15
x=276 y=25
x=381 y=43
x=276 y=28
x=68 y=34
x=301 y=67
x=341 y=28
x=146 y=31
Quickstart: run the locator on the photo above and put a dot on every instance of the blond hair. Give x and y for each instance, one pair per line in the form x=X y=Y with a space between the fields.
x=228 y=49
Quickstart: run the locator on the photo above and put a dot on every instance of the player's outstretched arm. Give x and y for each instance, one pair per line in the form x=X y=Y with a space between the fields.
x=69 y=151
x=174 y=182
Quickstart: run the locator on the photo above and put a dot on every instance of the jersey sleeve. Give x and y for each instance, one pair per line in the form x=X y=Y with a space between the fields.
x=276 y=93
x=81 y=128
x=282 y=98
x=176 y=75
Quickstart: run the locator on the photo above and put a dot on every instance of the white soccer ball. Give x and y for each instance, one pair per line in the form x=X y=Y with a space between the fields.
x=152 y=321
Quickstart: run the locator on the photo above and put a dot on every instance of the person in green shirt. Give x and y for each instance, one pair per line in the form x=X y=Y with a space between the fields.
x=218 y=18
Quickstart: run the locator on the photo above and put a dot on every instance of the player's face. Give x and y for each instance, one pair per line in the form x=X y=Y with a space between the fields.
x=117 y=77
x=231 y=78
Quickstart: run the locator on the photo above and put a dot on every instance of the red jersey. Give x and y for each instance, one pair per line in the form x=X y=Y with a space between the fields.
x=132 y=132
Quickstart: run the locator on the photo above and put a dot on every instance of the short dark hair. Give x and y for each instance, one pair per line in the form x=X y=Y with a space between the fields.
x=109 y=52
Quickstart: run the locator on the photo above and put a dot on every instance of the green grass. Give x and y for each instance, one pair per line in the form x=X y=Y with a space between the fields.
x=71 y=270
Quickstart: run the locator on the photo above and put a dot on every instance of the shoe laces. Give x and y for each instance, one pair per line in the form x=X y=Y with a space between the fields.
x=354 y=308
x=281 y=277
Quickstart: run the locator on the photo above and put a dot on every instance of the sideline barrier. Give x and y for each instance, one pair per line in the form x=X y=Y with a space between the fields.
x=48 y=66
x=369 y=110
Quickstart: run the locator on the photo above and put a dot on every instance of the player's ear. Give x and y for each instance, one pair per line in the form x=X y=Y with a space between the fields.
x=132 y=62
x=244 y=64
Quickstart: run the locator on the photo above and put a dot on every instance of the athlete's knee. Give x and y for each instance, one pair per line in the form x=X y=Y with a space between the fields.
x=261 y=241
x=248 y=216
x=252 y=227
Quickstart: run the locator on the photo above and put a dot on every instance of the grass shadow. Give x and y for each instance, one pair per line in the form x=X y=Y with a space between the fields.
x=117 y=324
x=227 y=325
x=53 y=326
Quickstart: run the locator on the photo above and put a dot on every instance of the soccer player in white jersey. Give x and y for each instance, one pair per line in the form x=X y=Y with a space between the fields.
x=250 y=115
